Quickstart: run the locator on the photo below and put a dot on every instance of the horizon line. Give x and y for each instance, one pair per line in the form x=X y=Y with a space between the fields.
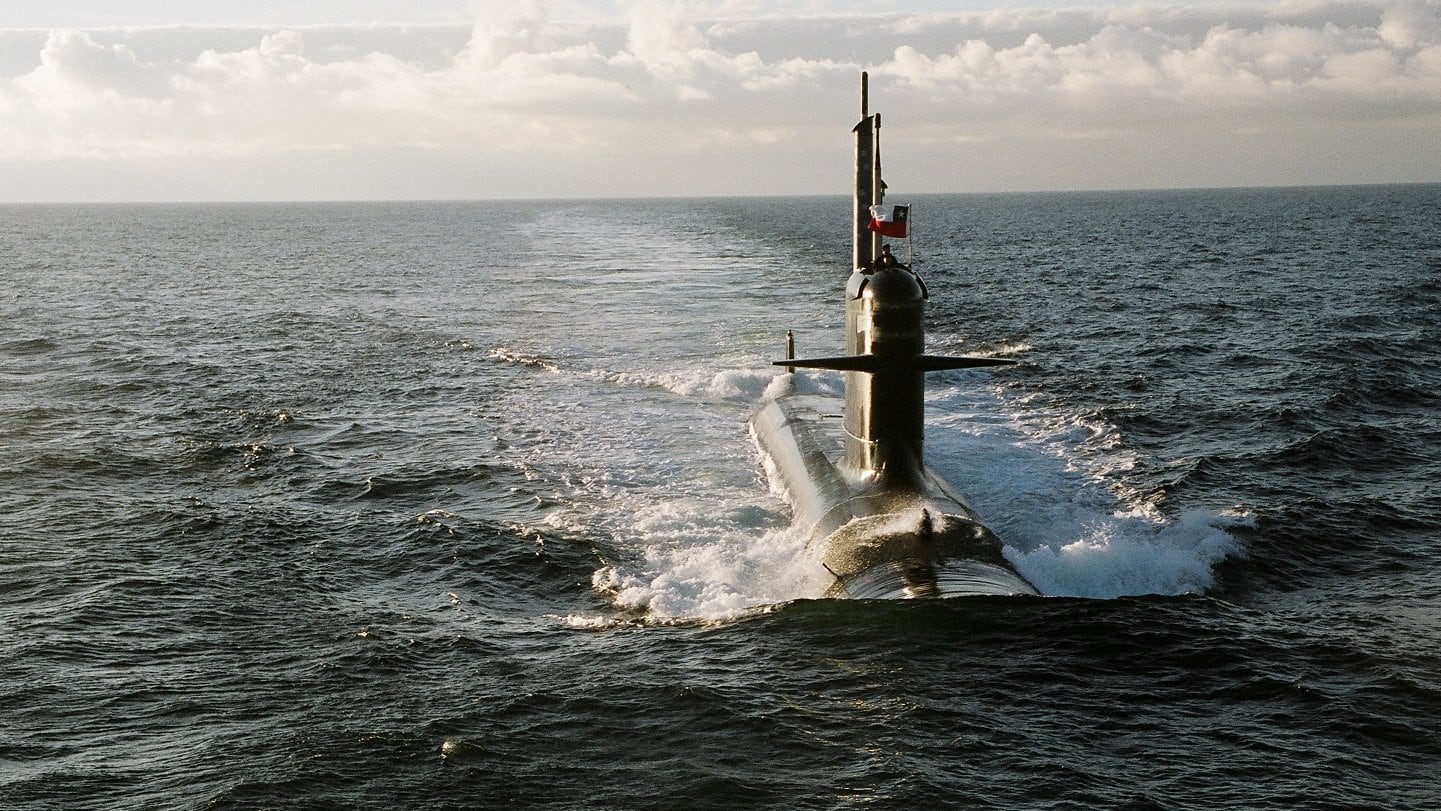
x=656 y=197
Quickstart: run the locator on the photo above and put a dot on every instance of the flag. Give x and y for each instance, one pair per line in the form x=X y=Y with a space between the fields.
x=890 y=221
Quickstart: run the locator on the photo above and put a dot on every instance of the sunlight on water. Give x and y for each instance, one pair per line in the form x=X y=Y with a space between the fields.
x=356 y=505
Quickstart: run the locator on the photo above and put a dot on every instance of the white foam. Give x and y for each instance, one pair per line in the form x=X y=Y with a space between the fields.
x=592 y=622
x=1051 y=485
x=521 y=358
x=1123 y=555
x=737 y=385
x=951 y=344
x=1007 y=349
x=734 y=385
x=824 y=383
x=698 y=535
x=694 y=566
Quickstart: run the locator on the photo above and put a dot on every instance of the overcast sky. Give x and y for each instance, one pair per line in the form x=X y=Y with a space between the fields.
x=372 y=99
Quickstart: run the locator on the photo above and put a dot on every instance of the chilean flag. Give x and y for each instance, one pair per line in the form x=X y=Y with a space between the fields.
x=890 y=221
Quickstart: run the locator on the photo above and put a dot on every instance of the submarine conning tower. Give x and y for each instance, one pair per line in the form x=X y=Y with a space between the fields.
x=885 y=403
x=885 y=308
x=885 y=334
x=885 y=364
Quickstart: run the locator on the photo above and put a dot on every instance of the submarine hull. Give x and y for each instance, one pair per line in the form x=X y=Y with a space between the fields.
x=876 y=539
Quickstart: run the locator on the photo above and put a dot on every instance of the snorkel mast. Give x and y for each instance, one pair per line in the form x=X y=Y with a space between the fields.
x=870 y=191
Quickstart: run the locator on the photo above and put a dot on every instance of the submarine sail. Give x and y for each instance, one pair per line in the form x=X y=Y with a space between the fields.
x=882 y=522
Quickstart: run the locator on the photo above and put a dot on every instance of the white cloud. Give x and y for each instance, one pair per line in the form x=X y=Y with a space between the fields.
x=674 y=87
x=1409 y=24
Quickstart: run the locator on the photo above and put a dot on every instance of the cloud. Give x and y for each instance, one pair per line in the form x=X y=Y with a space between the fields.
x=671 y=80
x=1128 y=76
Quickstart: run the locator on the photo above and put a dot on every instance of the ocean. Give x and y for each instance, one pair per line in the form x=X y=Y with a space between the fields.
x=448 y=505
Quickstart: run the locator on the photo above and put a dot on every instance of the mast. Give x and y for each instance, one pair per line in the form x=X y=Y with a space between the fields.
x=864 y=247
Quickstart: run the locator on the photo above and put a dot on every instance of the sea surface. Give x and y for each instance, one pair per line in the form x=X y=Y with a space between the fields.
x=454 y=505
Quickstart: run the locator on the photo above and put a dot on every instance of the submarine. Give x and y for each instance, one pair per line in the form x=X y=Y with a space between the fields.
x=882 y=523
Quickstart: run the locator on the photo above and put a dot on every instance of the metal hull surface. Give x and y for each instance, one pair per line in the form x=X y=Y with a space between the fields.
x=878 y=540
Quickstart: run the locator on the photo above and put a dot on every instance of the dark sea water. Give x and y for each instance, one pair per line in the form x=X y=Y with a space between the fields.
x=453 y=505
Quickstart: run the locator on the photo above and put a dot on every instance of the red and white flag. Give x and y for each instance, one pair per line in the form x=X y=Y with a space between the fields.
x=890 y=221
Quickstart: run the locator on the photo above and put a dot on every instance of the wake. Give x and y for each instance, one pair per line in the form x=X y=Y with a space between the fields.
x=719 y=544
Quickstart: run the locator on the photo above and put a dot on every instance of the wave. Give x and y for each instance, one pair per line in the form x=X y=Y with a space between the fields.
x=518 y=358
x=1053 y=485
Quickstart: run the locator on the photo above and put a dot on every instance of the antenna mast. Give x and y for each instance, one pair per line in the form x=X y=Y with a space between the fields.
x=864 y=243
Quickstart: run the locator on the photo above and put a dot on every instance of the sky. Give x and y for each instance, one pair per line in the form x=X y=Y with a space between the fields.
x=176 y=100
